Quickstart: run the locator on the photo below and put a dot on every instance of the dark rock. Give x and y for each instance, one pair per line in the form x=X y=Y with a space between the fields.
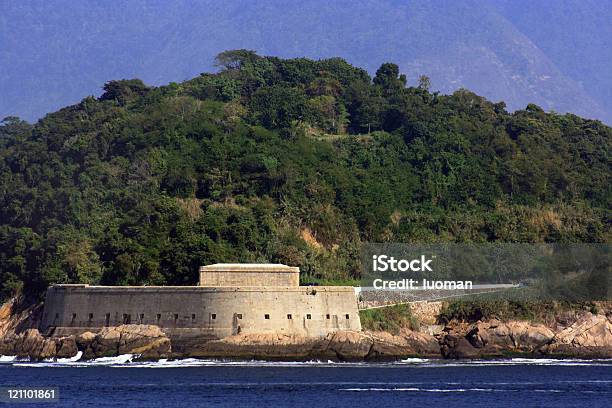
x=457 y=347
x=66 y=347
x=147 y=340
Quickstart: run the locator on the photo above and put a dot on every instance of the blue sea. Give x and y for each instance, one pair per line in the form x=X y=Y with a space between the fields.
x=122 y=382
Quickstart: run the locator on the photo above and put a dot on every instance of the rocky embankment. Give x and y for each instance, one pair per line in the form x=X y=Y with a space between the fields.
x=150 y=342
x=588 y=336
x=342 y=346
x=576 y=334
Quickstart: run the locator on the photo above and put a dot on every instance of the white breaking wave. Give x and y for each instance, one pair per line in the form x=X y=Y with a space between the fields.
x=71 y=359
x=74 y=361
x=121 y=359
x=414 y=360
x=509 y=362
x=128 y=361
x=194 y=362
x=13 y=359
x=7 y=359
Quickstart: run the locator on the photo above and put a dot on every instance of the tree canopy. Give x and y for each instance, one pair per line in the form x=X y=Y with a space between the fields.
x=284 y=160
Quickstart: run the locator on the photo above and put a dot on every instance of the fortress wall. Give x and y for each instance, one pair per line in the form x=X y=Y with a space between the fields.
x=214 y=312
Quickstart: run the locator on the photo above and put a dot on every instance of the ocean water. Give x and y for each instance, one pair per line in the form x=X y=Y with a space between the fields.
x=122 y=382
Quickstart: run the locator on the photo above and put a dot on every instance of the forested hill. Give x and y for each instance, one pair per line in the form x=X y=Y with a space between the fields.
x=292 y=161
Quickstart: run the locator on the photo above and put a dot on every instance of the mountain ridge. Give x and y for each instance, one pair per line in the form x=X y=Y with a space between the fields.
x=491 y=48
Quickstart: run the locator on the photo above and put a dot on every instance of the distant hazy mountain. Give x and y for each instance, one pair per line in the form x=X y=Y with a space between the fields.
x=556 y=54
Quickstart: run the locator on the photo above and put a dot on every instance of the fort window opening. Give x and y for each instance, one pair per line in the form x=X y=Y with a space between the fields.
x=213 y=316
x=308 y=316
x=90 y=317
x=57 y=315
x=141 y=318
x=158 y=317
x=239 y=316
x=289 y=316
x=267 y=316
x=327 y=316
x=73 y=316
x=107 y=319
x=347 y=316
x=176 y=316
x=127 y=318
x=193 y=316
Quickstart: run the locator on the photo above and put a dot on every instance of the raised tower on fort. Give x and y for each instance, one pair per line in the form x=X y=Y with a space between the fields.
x=236 y=274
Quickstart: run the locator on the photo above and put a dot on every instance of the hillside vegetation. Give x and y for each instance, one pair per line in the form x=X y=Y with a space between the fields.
x=293 y=161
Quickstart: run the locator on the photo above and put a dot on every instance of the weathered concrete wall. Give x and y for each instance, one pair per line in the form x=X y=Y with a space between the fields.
x=241 y=275
x=426 y=312
x=243 y=279
x=195 y=310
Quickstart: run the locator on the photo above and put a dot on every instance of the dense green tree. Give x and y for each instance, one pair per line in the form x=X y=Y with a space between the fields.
x=124 y=91
x=235 y=59
x=388 y=77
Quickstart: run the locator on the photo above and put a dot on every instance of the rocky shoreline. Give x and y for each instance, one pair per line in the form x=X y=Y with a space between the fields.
x=579 y=335
x=589 y=336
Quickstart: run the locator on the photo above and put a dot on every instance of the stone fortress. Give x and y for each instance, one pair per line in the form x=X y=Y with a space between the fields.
x=230 y=299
